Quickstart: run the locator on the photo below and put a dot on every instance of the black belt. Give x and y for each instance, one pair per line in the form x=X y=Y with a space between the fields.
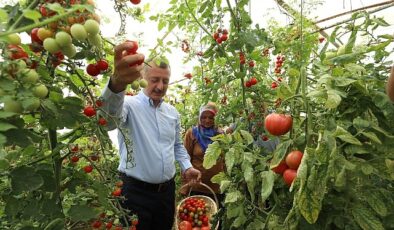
x=145 y=185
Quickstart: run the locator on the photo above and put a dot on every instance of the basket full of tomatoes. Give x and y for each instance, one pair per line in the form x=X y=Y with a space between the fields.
x=195 y=212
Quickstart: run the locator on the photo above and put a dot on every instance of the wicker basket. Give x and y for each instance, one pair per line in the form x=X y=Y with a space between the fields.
x=210 y=203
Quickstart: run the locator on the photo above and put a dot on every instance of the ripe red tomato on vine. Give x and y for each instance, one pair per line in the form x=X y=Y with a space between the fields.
x=278 y=124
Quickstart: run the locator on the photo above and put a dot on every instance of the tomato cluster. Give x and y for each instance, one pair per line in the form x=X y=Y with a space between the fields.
x=194 y=211
x=288 y=167
x=220 y=35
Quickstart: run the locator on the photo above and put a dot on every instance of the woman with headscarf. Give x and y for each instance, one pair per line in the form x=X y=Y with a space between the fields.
x=196 y=142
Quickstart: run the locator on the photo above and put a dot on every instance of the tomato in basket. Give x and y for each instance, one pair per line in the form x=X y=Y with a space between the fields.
x=195 y=211
x=185 y=225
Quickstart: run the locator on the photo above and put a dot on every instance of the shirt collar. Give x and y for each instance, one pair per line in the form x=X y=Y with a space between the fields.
x=148 y=100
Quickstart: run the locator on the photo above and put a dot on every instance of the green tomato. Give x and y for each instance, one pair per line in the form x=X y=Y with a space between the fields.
x=95 y=40
x=51 y=45
x=135 y=85
x=143 y=83
x=330 y=54
x=14 y=39
x=40 y=91
x=78 y=32
x=63 y=39
x=30 y=76
x=33 y=104
x=69 y=50
x=92 y=27
x=13 y=106
x=341 y=50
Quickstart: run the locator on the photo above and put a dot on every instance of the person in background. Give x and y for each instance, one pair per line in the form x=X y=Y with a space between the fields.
x=390 y=85
x=196 y=142
x=153 y=126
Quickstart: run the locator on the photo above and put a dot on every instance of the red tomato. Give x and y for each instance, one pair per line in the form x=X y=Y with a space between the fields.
x=185 y=225
x=280 y=168
x=134 y=49
x=205 y=228
x=293 y=159
x=278 y=124
x=135 y=2
x=289 y=175
x=196 y=228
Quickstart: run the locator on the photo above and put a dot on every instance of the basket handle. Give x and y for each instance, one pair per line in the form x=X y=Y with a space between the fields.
x=206 y=186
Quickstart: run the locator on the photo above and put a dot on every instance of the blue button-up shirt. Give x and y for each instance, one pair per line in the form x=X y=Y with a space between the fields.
x=154 y=131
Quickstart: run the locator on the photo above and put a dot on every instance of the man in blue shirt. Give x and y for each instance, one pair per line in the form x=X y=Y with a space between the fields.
x=152 y=129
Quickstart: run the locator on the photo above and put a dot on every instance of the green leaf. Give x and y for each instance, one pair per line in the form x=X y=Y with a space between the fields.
x=344 y=135
x=365 y=218
x=372 y=136
x=333 y=99
x=230 y=159
x=249 y=178
x=380 y=46
x=4 y=165
x=82 y=213
x=280 y=152
x=267 y=184
x=3 y=16
x=342 y=81
x=57 y=7
x=6 y=126
x=56 y=224
x=222 y=180
x=32 y=14
x=376 y=201
x=211 y=155
x=232 y=197
x=367 y=169
x=25 y=179
x=360 y=123
x=247 y=137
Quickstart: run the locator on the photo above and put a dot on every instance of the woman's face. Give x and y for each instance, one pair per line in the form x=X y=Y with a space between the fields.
x=207 y=119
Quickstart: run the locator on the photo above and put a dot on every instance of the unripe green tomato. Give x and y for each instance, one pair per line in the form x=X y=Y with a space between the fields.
x=341 y=50
x=13 y=106
x=14 y=39
x=143 y=83
x=34 y=104
x=51 y=45
x=63 y=39
x=92 y=27
x=78 y=32
x=330 y=54
x=69 y=50
x=20 y=64
x=95 y=40
x=135 y=85
x=40 y=91
x=30 y=76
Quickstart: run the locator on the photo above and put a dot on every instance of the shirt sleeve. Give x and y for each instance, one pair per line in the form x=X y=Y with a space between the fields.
x=181 y=154
x=112 y=107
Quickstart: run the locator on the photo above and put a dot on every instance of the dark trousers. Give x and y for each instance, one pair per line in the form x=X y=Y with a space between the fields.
x=155 y=209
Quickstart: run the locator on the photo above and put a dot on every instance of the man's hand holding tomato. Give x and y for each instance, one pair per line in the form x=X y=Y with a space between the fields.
x=125 y=69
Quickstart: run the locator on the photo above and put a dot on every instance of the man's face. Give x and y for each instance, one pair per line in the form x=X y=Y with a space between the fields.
x=158 y=79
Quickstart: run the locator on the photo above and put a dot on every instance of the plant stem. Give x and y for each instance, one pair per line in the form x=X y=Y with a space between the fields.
x=57 y=164
x=19 y=19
